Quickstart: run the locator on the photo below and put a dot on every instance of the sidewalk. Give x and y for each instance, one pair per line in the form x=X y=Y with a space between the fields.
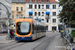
x=3 y=40
x=3 y=34
x=56 y=44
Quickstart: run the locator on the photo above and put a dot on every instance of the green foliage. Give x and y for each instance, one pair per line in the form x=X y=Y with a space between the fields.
x=68 y=11
x=73 y=33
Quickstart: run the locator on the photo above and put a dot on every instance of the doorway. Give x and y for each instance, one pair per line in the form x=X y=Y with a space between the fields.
x=47 y=28
x=54 y=28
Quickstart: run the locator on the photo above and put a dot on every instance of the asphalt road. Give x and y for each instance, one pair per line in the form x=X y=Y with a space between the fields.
x=52 y=41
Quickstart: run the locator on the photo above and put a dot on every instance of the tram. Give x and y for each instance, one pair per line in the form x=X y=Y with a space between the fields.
x=29 y=29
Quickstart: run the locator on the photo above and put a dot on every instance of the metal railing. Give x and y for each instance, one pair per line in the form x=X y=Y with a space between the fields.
x=67 y=44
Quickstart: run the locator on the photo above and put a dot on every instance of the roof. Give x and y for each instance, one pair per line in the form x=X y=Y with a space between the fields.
x=53 y=1
x=18 y=0
x=25 y=1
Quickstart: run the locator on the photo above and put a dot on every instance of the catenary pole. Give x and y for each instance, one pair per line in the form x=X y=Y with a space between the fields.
x=8 y=17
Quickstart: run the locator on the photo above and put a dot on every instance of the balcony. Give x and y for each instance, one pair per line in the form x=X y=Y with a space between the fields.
x=19 y=11
x=47 y=17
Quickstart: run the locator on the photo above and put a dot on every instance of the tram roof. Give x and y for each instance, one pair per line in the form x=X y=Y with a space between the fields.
x=35 y=21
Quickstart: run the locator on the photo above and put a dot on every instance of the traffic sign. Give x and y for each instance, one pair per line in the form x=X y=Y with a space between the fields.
x=7 y=23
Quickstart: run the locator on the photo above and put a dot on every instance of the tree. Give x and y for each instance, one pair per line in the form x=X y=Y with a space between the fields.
x=68 y=11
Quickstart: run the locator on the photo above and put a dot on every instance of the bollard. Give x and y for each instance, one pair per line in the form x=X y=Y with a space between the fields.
x=72 y=47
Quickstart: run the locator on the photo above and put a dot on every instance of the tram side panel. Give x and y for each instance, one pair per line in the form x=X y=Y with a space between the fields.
x=34 y=32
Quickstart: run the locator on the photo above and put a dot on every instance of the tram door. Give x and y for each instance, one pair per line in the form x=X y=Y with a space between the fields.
x=54 y=28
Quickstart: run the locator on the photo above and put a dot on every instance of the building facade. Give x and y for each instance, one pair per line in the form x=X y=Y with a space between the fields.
x=45 y=10
x=4 y=14
x=18 y=9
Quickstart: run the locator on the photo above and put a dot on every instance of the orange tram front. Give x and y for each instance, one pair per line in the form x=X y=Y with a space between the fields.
x=29 y=29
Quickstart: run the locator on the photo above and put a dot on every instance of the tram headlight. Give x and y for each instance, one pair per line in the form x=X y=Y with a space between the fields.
x=16 y=36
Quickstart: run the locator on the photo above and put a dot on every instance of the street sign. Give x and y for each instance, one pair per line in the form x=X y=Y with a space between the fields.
x=67 y=27
x=7 y=23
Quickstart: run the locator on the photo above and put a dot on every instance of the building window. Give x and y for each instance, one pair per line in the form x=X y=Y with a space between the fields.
x=12 y=17
x=38 y=6
x=47 y=20
x=42 y=6
x=21 y=3
x=30 y=0
x=54 y=28
x=12 y=3
x=47 y=0
x=47 y=6
x=38 y=13
x=47 y=15
x=35 y=13
x=35 y=6
x=54 y=13
x=54 y=20
x=42 y=19
x=30 y=15
x=30 y=6
x=21 y=8
x=42 y=13
x=46 y=27
x=42 y=0
x=17 y=3
x=35 y=0
x=17 y=8
x=16 y=16
x=21 y=16
x=54 y=6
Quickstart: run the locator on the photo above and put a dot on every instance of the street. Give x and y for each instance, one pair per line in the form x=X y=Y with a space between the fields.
x=52 y=41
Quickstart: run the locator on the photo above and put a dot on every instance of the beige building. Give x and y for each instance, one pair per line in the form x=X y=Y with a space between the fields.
x=18 y=9
x=45 y=10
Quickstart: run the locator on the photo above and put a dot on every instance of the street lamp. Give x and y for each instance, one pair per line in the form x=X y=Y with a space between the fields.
x=8 y=17
x=64 y=27
x=64 y=19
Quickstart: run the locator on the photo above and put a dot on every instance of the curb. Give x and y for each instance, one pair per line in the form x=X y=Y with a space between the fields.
x=3 y=34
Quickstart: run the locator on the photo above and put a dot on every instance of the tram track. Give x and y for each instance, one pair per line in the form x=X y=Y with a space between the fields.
x=11 y=46
x=8 y=45
x=43 y=45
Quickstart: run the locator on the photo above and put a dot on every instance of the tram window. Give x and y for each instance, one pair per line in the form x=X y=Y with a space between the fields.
x=42 y=28
x=39 y=28
x=35 y=27
x=23 y=28
x=32 y=28
x=14 y=25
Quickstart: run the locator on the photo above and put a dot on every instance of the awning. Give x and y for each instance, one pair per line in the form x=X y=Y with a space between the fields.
x=47 y=12
x=30 y=12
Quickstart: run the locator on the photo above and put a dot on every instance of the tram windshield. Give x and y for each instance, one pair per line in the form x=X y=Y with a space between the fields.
x=23 y=28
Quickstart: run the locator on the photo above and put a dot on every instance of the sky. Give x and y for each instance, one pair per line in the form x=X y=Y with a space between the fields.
x=56 y=0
